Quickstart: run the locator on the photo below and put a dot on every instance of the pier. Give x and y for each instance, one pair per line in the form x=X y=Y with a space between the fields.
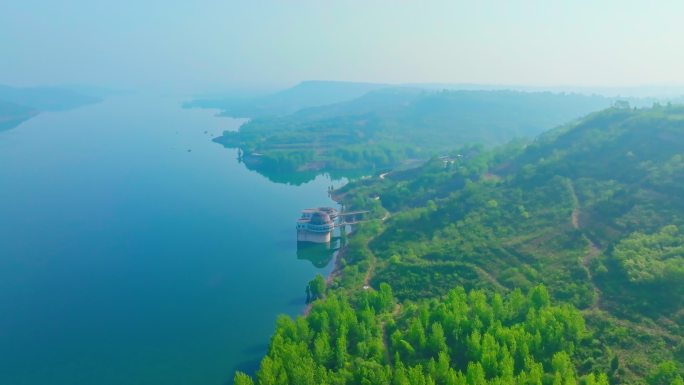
x=351 y=217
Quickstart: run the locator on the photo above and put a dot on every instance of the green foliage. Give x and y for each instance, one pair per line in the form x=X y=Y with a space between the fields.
x=315 y=289
x=470 y=338
x=588 y=217
x=666 y=373
x=486 y=229
x=242 y=379
x=388 y=127
x=593 y=210
x=654 y=259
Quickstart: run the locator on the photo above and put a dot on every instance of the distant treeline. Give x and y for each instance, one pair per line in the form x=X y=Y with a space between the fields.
x=390 y=126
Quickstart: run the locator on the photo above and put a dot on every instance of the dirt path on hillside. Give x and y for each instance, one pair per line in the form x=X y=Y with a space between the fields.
x=374 y=259
x=591 y=254
x=385 y=337
x=490 y=278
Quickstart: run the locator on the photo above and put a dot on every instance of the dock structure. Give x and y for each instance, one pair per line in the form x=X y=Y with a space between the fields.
x=316 y=225
x=351 y=217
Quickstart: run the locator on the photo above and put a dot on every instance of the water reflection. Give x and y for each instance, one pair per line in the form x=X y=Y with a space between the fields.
x=319 y=254
x=297 y=176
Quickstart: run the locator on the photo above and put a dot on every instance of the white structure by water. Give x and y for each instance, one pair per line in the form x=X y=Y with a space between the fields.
x=316 y=225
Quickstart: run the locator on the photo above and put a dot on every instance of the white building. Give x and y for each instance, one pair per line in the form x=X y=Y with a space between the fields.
x=316 y=225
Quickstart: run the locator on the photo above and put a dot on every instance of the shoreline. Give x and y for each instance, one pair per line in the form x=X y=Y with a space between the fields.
x=334 y=273
x=337 y=268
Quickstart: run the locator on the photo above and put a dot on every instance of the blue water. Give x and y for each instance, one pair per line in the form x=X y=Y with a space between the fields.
x=126 y=259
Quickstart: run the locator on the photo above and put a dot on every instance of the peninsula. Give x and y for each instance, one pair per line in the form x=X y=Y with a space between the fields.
x=395 y=126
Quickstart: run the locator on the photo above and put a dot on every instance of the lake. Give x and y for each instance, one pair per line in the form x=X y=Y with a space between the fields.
x=134 y=250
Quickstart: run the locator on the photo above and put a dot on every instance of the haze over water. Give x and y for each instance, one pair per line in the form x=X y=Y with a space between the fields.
x=126 y=259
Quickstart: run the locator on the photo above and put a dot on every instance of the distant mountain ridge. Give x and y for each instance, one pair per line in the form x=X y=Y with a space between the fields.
x=655 y=93
x=304 y=95
x=451 y=110
x=317 y=93
x=20 y=104
x=328 y=126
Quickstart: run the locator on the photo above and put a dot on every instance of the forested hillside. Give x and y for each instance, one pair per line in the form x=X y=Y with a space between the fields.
x=463 y=338
x=388 y=127
x=593 y=211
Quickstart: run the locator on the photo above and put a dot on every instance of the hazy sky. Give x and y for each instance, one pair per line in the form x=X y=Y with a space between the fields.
x=209 y=44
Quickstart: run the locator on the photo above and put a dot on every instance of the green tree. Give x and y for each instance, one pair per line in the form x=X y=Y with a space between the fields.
x=322 y=351
x=315 y=289
x=664 y=374
x=242 y=379
x=416 y=334
x=475 y=374
x=436 y=341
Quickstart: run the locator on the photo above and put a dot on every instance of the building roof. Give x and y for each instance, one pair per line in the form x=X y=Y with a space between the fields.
x=320 y=218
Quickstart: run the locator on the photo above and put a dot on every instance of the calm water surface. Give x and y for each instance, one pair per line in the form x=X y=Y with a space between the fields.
x=127 y=259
